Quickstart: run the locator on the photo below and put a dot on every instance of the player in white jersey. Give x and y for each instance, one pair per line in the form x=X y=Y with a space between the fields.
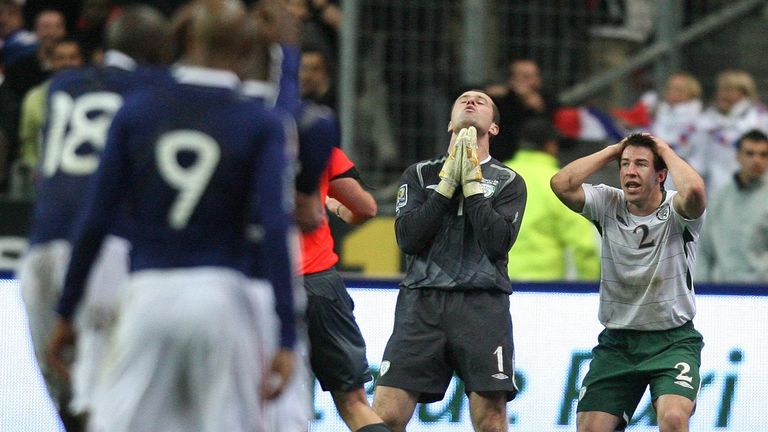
x=646 y=291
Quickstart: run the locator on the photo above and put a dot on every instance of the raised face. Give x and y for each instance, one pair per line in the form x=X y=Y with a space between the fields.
x=639 y=179
x=473 y=108
x=753 y=159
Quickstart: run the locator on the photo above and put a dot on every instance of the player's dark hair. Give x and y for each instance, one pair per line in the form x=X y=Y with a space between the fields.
x=644 y=140
x=752 y=135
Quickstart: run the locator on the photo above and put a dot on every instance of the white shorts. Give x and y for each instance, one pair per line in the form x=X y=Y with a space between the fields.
x=184 y=356
x=292 y=411
x=41 y=275
x=97 y=318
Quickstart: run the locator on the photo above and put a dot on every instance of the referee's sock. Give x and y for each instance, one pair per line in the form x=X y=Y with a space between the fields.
x=378 y=427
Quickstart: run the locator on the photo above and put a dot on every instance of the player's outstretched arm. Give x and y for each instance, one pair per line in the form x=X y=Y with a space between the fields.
x=691 y=198
x=349 y=201
x=566 y=184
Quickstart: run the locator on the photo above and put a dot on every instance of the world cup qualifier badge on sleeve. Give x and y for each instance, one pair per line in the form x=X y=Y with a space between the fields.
x=402 y=197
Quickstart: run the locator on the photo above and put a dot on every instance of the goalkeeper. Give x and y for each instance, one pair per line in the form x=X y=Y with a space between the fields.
x=457 y=216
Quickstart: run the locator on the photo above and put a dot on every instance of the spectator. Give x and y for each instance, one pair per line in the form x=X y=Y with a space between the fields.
x=550 y=229
x=321 y=23
x=315 y=79
x=17 y=41
x=34 y=68
x=713 y=137
x=669 y=118
x=522 y=99
x=734 y=243
x=67 y=53
x=680 y=107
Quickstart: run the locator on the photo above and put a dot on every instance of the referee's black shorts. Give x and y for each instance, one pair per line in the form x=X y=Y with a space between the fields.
x=439 y=332
x=337 y=348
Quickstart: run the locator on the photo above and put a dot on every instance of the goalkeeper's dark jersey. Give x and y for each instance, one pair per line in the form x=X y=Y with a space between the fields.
x=459 y=243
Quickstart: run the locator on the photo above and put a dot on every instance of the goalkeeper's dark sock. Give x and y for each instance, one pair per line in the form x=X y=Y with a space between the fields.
x=378 y=427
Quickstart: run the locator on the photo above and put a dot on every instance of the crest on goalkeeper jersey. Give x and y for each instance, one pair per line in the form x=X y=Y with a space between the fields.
x=402 y=197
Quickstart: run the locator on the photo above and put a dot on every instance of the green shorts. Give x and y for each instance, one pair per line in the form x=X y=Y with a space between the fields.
x=625 y=362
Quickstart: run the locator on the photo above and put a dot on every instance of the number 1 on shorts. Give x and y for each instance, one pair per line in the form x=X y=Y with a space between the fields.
x=500 y=358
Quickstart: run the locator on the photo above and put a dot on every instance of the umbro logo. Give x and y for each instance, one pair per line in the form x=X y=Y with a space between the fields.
x=684 y=384
x=384 y=367
x=500 y=376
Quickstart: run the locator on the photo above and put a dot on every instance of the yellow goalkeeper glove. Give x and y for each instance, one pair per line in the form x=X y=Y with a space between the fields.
x=450 y=173
x=471 y=174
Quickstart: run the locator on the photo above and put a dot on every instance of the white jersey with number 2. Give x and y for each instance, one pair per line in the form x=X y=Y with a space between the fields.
x=646 y=263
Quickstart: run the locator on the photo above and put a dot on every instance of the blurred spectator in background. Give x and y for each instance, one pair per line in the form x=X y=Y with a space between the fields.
x=27 y=70
x=680 y=107
x=551 y=235
x=66 y=54
x=35 y=67
x=321 y=23
x=734 y=242
x=315 y=79
x=713 y=137
x=522 y=98
x=17 y=42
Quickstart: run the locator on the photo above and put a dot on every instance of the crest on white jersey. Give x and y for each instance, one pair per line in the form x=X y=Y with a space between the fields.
x=663 y=213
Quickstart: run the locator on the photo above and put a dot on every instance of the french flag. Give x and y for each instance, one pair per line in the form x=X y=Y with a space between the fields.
x=588 y=124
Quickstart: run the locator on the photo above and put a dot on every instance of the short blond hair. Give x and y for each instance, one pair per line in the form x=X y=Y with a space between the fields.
x=739 y=80
x=692 y=85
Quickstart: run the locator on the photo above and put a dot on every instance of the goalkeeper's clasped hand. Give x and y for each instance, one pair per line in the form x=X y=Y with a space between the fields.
x=462 y=166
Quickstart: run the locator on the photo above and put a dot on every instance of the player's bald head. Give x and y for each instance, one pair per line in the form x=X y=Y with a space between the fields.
x=141 y=32
x=220 y=31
